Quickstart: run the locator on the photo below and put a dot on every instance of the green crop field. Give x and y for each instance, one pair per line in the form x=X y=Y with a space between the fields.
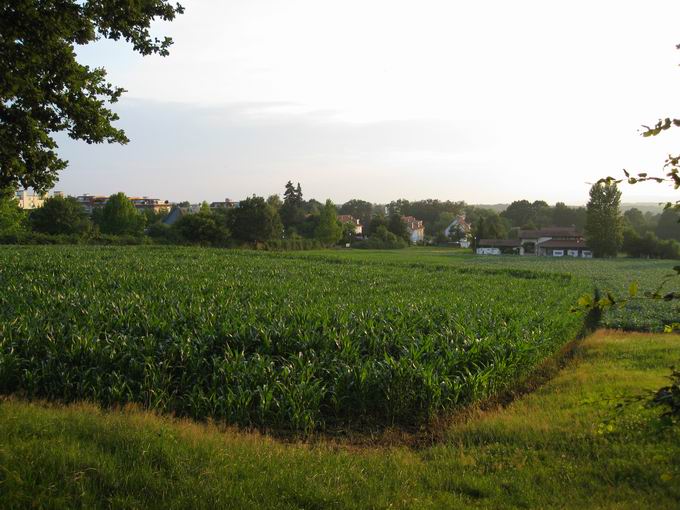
x=613 y=275
x=274 y=340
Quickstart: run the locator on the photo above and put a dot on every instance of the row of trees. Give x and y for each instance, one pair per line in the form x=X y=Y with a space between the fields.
x=256 y=220
x=259 y=220
x=538 y=214
x=608 y=232
x=65 y=216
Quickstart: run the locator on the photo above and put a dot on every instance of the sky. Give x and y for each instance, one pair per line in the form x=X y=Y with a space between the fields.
x=485 y=101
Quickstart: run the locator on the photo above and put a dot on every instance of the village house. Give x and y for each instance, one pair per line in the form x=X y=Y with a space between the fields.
x=547 y=242
x=178 y=211
x=461 y=229
x=415 y=227
x=348 y=218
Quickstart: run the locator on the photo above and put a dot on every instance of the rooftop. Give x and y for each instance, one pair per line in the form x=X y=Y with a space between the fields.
x=549 y=232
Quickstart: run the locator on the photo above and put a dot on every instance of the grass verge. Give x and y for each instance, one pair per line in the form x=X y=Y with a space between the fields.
x=554 y=448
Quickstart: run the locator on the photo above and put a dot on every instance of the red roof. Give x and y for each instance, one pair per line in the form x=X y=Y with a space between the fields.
x=412 y=223
x=348 y=218
x=549 y=232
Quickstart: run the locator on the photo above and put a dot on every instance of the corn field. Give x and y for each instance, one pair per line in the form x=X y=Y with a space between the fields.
x=271 y=339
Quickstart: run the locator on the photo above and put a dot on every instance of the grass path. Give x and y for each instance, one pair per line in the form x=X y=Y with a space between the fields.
x=549 y=449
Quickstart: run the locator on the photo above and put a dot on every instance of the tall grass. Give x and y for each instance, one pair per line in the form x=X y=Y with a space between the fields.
x=269 y=339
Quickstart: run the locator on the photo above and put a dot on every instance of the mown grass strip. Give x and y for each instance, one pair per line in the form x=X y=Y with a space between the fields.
x=545 y=450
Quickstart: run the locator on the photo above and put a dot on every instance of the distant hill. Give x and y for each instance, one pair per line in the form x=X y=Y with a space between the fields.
x=653 y=207
x=494 y=207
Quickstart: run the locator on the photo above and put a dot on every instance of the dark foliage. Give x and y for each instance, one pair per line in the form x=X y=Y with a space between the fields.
x=44 y=90
x=60 y=215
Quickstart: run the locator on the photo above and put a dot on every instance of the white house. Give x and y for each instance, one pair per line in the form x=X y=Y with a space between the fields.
x=348 y=218
x=415 y=227
x=462 y=228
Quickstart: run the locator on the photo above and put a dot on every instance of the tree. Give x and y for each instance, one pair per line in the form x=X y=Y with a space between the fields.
x=348 y=232
x=397 y=226
x=329 y=230
x=12 y=217
x=360 y=209
x=636 y=220
x=376 y=222
x=603 y=224
x=60 y=215
x=44 y=90
x=443 y=221
x=400 y=207
x=542 y=214
x=120 y=217
x=202 y=228
x=520 y=212
x=495 y=228
x=562 y=215
x=427 y=210
x=152 y=216
x=312 y=206
x=292 y=211
x=669 y=225
x=487 y=224
x=254 y=221
x=275 y=202
x=648 y=245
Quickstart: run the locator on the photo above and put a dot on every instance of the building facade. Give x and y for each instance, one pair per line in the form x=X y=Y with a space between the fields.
x=415 y=227
x=92 y=202
x=348 y=218
x=227 y=204
x=547 y=242
x=459 y=230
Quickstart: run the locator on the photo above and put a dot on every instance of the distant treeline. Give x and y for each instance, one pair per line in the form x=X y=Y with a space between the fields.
x=295 y=223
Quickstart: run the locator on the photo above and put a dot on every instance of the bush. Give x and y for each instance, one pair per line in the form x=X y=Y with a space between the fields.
x=203 y=228
x=60 y=215
x=382 y=239
x=649 y=246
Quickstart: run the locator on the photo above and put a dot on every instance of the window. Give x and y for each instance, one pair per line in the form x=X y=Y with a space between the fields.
x=558 y=253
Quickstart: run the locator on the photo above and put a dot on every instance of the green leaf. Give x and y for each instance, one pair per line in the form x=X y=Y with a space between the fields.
x=585 y=300
x=633 y=289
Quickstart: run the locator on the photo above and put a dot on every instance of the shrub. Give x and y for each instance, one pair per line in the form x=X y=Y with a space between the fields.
x=649 y=246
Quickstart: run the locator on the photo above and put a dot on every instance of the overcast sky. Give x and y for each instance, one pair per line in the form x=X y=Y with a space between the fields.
x=485 y=101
